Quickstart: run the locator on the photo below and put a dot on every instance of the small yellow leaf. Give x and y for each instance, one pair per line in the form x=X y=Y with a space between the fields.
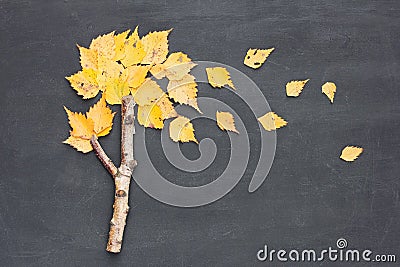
x=166 y=107
x=85 y=83
x=225 y=121
x=82 y=145
x=136 y=76
x=148 y=93
x=156 y=47
x=175 y=67
x=133 y=50
x=351 y=153
x=120 y=41
x=294 y=88
x=88 y=58
x=181 y=129
x=116 y=88
x=150 y=116
x=102 y=117
x=82 y=127
x=107 y=71
x=256 y=57
x=184 y=91
x=329 y=89
x=104 y=45
x=219 y=77
x=271 y=121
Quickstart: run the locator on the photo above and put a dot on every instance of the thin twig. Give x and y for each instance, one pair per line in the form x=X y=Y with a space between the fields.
x=107 y=162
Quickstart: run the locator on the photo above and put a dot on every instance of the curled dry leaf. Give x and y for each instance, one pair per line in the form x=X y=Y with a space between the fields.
x=219 y=77
x=97 y=121
x=225 y=121
x=271 y=121
x=181 y=129
x=329 y=89
x=256 y=57
x=351 y=153
x=294 y=88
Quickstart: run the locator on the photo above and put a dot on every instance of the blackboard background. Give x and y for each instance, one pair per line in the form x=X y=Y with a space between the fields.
x=56 y=203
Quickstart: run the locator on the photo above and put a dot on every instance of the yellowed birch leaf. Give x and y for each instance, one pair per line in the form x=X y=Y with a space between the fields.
x=272 y=121
x=150 y=116
x=294 y=88
x=120 y=42
x=329 y=89
x=351 y=153
x=102 y=117
x=184 y=91
x=134 y=50
x=108 y=71
x=88 y=58
x=148 y=93
x=104 y=45
x=136 y=76
x=85 y=83
x=219 y=77
x=256 y=57
x=181 y=129
x=155 y=45
x=175 y=67
x=226 y=122
x=82 y=145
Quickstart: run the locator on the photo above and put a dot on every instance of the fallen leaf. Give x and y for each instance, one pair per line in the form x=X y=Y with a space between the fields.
x=226 y=122
x=116 y=88
x=272 y=121
x=219 y=77
x=351 y=153
x=107 y=71
x=85 y=83
x=175 y=67
x=82 y=127
x=166 y=107
x=181 y=129
x=329 y=89
x=120 y=42
x=136 y=76
x=150 y=116
x=82 y=145
x=155 y=45
x=256 y=57
x=148 y=93
x=104 y=45
x=134 y=50
x=184 y=91
x=88 y=58
x=102 y=117
x=294 y=88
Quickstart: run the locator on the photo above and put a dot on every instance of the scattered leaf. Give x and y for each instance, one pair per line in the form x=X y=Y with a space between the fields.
x=150 y=116
x=256 y=57
x=181 y=129
x=184 y=91
x=272 y=121
x=351 y=153
x=219 y=77
x=155 y=45
x=226 y=122
x=85 y=83
x=294 y=88
x=88 y=58
x=166 y=107
x=175 y=67
x=329 y=89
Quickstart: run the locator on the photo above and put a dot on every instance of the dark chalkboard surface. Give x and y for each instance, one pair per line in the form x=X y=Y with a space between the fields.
x=56 y=203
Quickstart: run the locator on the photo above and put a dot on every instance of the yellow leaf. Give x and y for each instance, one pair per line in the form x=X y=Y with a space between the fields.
x=181 y=129
x=256 y=57
x=85 y=83
x=184 y=91
x=120 y=41
x=329 y=89
x=175 y=67
x=271 y=121
x=226 y=122
x=351 y=153
x=82 y=145
x=117 y=88
x=136 y=76
x=102 y=117
x=148 y=93
x=294 y=88
x=219 y=77
x=88 y=58
x=156 y=47
x=133 y=50
x=82 y=127
x=150 y=116
x=107 y=71
x=166 y=107
x=104 y=45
